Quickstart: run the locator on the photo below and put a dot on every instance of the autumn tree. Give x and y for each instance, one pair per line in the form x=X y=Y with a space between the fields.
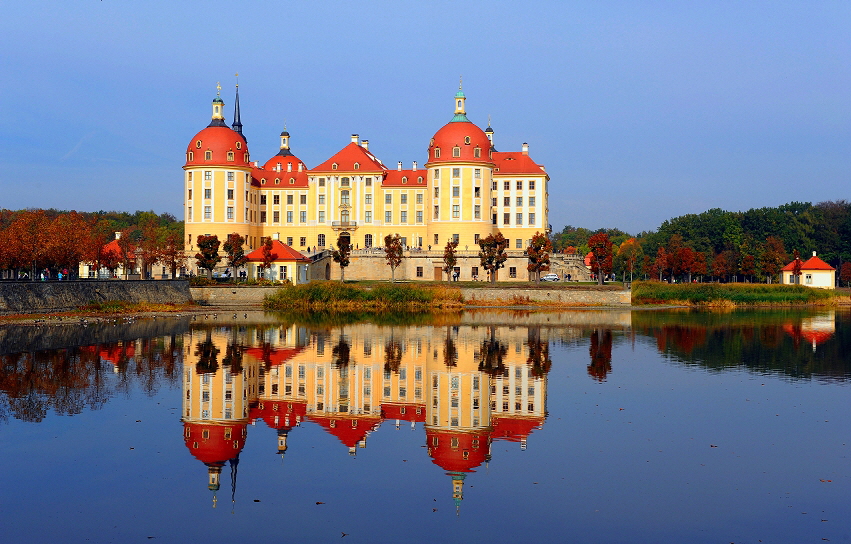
x=449 y=258
x=796 y=266
x=172 y=253
x=268 y=255
x=628 y=255
x=748 y=266
x=127 y=246
x=660 y=264
x=601 y=354
x=24 y=241
x=233 y=247
x=845 y=274
x=538 y=253
x=719 y=266
x=773 y=257
x=150 y=241
x=492 y=253
x=684 y=262
x=98 y=235
x=393 y=253
x=698 y=267
x=208 y=252
x=341 y=254
x=601 y=255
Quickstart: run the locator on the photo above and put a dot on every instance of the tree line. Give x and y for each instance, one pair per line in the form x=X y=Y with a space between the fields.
x=719 y=245
x=38 y=242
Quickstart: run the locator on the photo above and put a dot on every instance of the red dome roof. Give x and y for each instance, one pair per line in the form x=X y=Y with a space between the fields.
x=219 y=141
x=280 y=414
x=464 y=135
x=284 y=160
x=456 y=451
x=220 y=443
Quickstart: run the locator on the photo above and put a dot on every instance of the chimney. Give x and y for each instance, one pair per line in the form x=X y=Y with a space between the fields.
x=289 y=167
x=814 y=253
x=300 y=167
x=118 y=235
x=354 y=138
x=278 y=167
x=399 y=167
x=415 y=166
x=525 y=148
x=365 y=144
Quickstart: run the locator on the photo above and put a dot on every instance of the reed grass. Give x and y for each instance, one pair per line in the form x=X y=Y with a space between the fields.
x=728 y=294
x=339 y=296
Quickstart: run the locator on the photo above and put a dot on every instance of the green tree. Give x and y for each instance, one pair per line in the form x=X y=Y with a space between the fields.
x=340 y=255
x=208 y=253
x=393 y=253
x=629 y=254
x=538 y=253
x=492 y=253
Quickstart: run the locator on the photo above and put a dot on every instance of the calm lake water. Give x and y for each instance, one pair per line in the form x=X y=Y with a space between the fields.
x=585 y=426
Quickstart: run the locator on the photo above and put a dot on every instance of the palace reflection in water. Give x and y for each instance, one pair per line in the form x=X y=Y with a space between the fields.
x=467 y=386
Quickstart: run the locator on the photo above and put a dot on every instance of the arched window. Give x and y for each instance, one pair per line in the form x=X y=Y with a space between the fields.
x=456 y=151
x=334 y=166
x=344 y=198
x=404 y=179
x=459 y=104
x=321 y=240
x=367 y=241
x=357 y=166
x=191 y=156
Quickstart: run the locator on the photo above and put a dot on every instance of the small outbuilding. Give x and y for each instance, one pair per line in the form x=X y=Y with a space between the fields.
x=287 y=264
x=814 y=273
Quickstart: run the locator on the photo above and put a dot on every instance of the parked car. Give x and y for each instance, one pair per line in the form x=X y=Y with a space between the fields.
x=549 y=277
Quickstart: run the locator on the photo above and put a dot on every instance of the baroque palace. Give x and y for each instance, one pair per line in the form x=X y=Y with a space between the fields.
x=466 y=190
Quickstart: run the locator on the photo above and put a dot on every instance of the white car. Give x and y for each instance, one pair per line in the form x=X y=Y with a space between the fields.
x=549 y=277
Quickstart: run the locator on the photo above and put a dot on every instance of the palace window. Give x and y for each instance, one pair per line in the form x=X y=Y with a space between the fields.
x=467 y=140
x=388 y=198
x=208 y=175
x=388 y=217
x=506 y=185
x=334 y=166
x=367 y=216
x=301 y=242
x=456 y=192
x=344 y=182
x=320 y=240
x=367 y=240
x=302 y=199
x=289 y=243
x=230 y=155
x=531 y=219
x=321 y=200
x=321 y=216
x=403 y=217
x=506 y=201
x=276 y=217
x=208 y=193
x=357 y=166
x=419 y=198
x=208 y=212
x=512 y=271
x=289 y=199
x=190 y=194
x=437 y=212
x=531 y=201
x=403 y=199
x=477 y=173
x=262 y=217
x=456 y=211
x=456 y=172
x=262 y=200
x=230 y=176
x=367 y=198
x=208 y=155
x=531 y=184
x=519 y=185
x=230 y=212
x=404 y=179
x=419 y=271
x=506 y=219
x=436 y=173
x=477 y=152
x=456 y=151
x=302 y=217
x=519 y=200
x=436 y=154
x=436 y=192
x=276 y=199
x=476 y=241
x=289 y=217
x=477 y=211
x=518 y=243
x=344 y=197
x=419 y=216
x=519 y=219
x=367 y=182
x=322 y=182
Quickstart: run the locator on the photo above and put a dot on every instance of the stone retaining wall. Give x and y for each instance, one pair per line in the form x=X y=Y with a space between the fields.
x=230 y=296
x=63 y=296
x=567 y=297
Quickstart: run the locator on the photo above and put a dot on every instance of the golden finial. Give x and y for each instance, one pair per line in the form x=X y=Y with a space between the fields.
x=460 y=82
x=218 y=89
x=489 y=119
x=237 y=79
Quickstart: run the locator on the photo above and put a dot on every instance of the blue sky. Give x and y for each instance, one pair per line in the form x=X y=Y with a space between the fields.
x=640 y=111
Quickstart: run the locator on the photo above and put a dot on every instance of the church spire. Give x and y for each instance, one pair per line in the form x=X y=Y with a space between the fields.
x=237 y=123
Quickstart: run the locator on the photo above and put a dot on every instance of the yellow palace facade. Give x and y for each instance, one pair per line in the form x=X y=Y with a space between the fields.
x=465 y=190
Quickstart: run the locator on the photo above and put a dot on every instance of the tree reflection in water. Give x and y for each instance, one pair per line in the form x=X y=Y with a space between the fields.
x=601 y=354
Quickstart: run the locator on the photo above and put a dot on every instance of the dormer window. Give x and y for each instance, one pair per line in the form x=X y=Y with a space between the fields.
x=198 y=144
x=420 y=179
x=190 y=156
x=334 y=166
x=436 y=152
x=246 y=156
x=263 y=181
x=277 y=181
x=456 y=151
x=208 y=155
x=404 y=179
x=357 y=166
x=292 y=181
x=467 y=140
x=239 y=145
x=230 y=155
x=477 y=152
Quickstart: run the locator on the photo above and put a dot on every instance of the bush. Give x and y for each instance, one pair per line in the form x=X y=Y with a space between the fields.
x=335 y=295
x=654 y=292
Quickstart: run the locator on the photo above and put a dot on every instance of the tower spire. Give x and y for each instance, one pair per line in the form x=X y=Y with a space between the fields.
x=460 y=112
x=237 y=123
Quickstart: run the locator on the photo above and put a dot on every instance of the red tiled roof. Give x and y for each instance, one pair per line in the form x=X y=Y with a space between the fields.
x=516 y=162
x=279 y=414
x=415 y=178
x=220 y=141
x=514 y=429
x=273 y=357
x=346 y=159
x=348 y=429
x=278 y=180
x=215 y=449
x=280 y=252
x=113 y=247
x=813 y=263
x=403 y=412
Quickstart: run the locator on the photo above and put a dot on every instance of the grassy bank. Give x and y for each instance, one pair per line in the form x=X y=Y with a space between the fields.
x=729 y=294
x=341 y=297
